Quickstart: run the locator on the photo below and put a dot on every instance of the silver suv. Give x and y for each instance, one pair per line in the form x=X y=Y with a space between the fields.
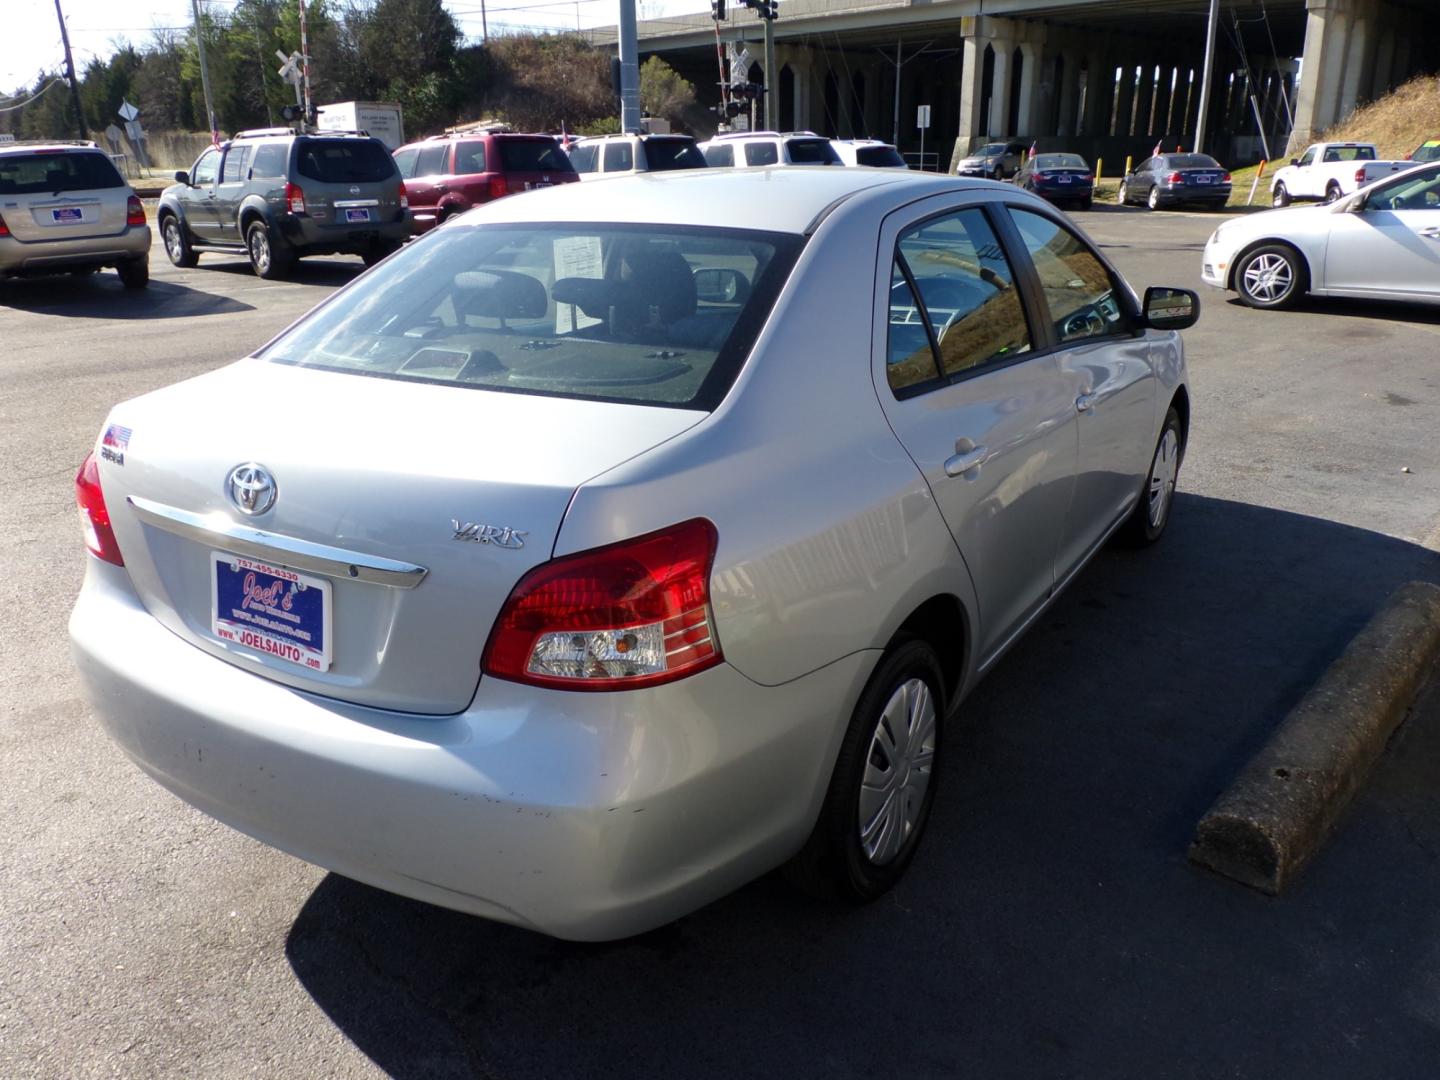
x=65 y=209
x=753 y=149
x=614 y=155
x=276 y=196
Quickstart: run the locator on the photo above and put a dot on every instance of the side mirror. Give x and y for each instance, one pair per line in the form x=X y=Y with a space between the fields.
x=182 y=177
x=1167 y=308
x=721 y=285
x=1294 y=161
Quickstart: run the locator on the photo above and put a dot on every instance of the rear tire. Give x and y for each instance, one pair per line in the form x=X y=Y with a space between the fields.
x=1280 y=195
x=1271 y=277
x=1122 y=197
x=1147 y=521
x=1153 y=199
x=881 y=791
x=177 y=243
x=1332 y=192
x=269 y=258
x=135 y=274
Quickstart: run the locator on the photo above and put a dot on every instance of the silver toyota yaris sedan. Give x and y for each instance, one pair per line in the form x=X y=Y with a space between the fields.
x=613 y=545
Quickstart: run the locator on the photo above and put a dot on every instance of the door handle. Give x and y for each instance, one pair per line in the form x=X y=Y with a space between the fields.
x=1085 y=402
x=967 y=459
x=1430 y=234
x=441 y=189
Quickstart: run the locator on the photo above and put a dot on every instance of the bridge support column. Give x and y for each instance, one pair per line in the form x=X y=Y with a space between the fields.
x=1327 y=27
x=1030 y=73
x=976 y=32
x=1000 y=89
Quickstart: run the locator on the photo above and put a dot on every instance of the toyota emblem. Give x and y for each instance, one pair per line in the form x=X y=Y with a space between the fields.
x=354 y=191
x=251 y=488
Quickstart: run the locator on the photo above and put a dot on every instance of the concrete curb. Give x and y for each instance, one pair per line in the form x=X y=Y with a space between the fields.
x=1277 y=813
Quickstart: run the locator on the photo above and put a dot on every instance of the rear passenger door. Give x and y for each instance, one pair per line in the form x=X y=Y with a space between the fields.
x=428 y=184
x=1100 y=350
x=985 y=413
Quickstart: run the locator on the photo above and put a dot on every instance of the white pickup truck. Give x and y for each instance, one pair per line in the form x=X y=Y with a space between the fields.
x=1329 y=170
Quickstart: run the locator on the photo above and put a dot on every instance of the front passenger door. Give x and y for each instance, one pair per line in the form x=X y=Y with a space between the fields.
x=989 y=423
x=197 y=201
x=1391 y=246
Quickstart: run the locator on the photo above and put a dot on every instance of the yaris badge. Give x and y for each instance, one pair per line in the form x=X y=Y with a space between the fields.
x=499 y=535
x=251 y=488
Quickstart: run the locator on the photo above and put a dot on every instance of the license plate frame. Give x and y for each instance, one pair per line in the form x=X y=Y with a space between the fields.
x=270 y=611
x=1065 y=178
x=357 y=215
x=1204 y=179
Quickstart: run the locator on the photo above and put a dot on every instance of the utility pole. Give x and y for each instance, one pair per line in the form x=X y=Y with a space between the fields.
x=70 y=74
x=1206 y=76
x=204 y=73
x=772 y=74
x=304 y=68
x=629 y=70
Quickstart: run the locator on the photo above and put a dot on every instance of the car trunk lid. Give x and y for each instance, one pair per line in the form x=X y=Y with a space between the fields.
x=403 y=515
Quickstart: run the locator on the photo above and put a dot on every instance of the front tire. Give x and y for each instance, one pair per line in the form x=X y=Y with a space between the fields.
x=881 y=791
x=135 y=274
x=268 y=258
x=1280 y=196
x=1270 y=277
x=1147 y=521
x=177 y=244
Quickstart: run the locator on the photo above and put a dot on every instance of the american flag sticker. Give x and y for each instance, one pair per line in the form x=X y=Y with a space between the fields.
x=115 y=443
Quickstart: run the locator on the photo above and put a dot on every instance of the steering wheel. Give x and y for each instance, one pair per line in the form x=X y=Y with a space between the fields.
x=1089 y=321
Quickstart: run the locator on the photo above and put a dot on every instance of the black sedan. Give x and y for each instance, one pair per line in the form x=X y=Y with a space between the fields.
x=1175 y=179
x=1061 y=178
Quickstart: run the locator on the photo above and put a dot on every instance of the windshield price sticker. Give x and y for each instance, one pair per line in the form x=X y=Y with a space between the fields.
x=271 y=610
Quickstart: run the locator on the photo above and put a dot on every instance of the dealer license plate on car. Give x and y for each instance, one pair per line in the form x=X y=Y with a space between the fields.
x=357 y=215
x=270 y=610
x=1066 y=179
x=64 y=215
x=1204 y=179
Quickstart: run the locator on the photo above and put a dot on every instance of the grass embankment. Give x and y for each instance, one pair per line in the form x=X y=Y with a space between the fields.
x=1396 y=123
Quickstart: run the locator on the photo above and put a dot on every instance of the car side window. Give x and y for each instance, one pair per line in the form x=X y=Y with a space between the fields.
x=967 y=300
x=719 y=157
x=206 y=168
x=1307 y=157
x=1084 y=300
x=761 y=153
x=909 y=356
x=432 y=160
x=269 y=161
x=470 y=157
x=582 y=156
x=236 y=160
x=1417 y=194
x=618 y=156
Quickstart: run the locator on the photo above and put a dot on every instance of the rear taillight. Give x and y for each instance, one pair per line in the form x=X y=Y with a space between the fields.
x=1225 y=178
x=134 y=212
x=498 y=188
x=294 y=199
x=94 y=518
x=4 y=229
x=1360 y=175
x=636 y=613
x=404 y=200
x=1175 y=178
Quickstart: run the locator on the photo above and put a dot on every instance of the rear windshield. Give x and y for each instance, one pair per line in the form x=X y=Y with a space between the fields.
x=719 y=156
x=664 y=154
x=1059 y=161
x=344 y=161
x=1349 y=153
x=1191 y=161
x=52 y=173
x=642 y=314
x=533 y=155
x=884 y=157
x=812 y=152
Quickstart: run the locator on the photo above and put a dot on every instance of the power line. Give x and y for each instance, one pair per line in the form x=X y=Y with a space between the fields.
x=34 y=97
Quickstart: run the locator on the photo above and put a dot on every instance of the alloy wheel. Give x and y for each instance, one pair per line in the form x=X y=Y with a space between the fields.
x=174 y=243
x=1268 y=278
x=260 y=250
x=897 y=771
x=1163 y=471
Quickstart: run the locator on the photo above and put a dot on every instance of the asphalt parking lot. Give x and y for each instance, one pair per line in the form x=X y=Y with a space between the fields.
x=1051 y=925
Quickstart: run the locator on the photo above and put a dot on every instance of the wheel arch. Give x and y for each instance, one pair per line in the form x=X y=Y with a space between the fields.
x=1180 y=402
x=251 y=212
x=941 y=622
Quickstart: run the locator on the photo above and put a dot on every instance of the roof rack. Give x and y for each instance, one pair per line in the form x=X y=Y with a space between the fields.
x=477 y=127
x=256 y=133
x=749 y=134
x=50 y=142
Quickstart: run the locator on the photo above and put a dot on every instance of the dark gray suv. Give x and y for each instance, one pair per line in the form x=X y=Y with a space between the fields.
x=276 y=196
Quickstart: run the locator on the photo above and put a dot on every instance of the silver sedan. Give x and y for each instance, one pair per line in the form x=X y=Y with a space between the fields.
x=1380 y=243
x=605 y=549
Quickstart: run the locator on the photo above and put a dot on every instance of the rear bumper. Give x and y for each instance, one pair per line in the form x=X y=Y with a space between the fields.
x=586 y=816
x=309 y=236
x=57 y=256
x=1193 y=196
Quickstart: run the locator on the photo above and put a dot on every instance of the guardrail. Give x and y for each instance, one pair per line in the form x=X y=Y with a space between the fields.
x=928 y=161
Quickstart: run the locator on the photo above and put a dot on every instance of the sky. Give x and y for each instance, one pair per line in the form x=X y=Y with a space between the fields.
x=30 y=42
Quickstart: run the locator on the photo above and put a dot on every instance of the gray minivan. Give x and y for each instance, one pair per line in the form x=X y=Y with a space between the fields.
x=277 y=196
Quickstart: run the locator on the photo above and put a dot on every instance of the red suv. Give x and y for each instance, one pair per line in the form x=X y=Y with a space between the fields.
x=448 y=174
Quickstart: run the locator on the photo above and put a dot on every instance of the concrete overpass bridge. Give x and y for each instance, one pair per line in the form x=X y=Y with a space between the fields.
x=1107 y=78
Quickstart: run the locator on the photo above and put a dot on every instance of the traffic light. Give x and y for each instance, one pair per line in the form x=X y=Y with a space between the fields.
x=717 y=10
x=733 y=109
